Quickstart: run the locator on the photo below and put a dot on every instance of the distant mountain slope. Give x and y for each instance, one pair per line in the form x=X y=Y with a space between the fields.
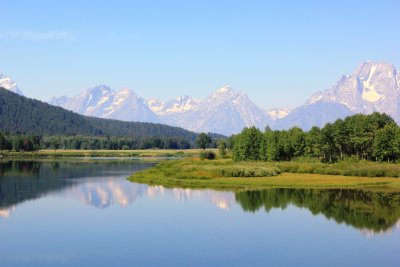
x=317 y=114
x=21 y=114
x=225 y=111
x=103 y=102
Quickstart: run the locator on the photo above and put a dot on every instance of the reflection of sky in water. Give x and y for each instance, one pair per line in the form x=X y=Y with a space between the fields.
x=104 y=220
x=106 y=191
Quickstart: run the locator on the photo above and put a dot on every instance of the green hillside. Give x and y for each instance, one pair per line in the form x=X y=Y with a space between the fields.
x=19 y=114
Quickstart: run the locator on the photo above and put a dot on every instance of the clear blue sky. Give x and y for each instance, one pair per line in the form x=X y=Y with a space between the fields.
x=278 y=52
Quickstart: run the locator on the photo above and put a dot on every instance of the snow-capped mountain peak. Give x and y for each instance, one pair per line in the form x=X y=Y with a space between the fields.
x=7 y=83
x=104 y=102
x=370 y=88
x=225 y=93
x=374 y=86
x=223 y=90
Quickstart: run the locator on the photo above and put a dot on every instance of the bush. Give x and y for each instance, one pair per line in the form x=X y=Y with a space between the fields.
x=207 y=155
x=250 y=171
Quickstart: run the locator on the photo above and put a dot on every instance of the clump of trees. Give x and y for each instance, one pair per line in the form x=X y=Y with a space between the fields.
x=370 y=137
x=20 y=142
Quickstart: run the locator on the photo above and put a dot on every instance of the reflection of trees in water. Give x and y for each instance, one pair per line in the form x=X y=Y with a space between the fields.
x=19 y=168
x=25 y=180
x=377 y=211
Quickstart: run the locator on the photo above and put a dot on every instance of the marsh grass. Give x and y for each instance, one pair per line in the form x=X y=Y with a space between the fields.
x=226 y=174
x=345 y=168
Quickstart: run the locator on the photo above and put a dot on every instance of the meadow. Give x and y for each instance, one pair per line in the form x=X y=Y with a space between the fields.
x=227 y=174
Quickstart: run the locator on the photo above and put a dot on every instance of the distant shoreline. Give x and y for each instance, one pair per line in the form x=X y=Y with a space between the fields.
x=100 y=153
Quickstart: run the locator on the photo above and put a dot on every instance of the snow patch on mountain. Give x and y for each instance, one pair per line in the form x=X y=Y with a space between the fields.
x=7 y=83
x=278 y=113
x=177 y=105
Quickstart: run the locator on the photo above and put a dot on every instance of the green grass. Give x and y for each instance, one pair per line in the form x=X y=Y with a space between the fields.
x=226 y=174
x=101 y=153
x=345 y=168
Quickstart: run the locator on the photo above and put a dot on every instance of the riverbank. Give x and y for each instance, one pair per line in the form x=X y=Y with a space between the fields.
x=224 y=174
x=101 y=153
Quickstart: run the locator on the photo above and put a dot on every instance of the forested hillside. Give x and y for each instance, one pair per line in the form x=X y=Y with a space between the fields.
x=23 y=115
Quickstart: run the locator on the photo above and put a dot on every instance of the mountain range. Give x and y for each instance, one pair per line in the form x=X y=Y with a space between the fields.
x=374 y=86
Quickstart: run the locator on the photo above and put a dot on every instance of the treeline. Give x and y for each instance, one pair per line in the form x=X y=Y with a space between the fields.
x=114 y=143
x=21 y=142
x=371 y=137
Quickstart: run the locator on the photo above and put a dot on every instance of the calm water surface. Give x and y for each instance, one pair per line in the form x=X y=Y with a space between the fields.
x=85 y=213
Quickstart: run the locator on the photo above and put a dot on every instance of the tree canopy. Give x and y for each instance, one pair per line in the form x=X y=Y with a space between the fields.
x=371 y=137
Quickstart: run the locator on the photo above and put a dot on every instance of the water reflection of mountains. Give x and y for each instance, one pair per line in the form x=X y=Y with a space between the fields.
x=371 y=212
x=24 y=180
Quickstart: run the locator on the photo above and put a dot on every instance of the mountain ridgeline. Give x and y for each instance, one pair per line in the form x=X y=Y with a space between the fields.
x=373 y=87
x=19 y=114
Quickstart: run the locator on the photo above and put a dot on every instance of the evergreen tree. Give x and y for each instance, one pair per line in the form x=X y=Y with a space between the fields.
x=203 y=140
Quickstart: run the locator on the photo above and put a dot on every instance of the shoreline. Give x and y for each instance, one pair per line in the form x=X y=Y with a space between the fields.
x=195 y=174
x=159 y=153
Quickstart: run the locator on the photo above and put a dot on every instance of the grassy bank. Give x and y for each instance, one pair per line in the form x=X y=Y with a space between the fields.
x=226 y=174
x=100 y=153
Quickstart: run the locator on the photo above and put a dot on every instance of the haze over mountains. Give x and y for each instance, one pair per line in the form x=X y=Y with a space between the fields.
x=374 y=86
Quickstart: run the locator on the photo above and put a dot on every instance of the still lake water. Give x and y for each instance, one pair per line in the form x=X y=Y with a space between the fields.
x=85 y=213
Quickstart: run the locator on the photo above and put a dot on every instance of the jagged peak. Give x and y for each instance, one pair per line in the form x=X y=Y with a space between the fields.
x=182 y=98
x=126 y=91
x=102 y=88
x=369 y=67
x=225 y=89
x=226 y=92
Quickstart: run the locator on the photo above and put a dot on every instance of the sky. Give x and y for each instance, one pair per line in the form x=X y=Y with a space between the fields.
x=278 y=52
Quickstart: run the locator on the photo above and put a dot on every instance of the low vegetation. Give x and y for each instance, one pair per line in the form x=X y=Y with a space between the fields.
x=360 y=168
x=252 y=175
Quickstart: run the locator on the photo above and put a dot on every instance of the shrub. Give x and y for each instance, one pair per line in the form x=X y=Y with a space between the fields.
x=247 y=171
x=207 y=155
x=222 y=148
